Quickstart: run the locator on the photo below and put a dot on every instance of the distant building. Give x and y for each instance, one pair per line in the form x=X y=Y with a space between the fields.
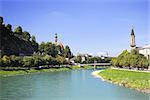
x=84 y=56
x=145 y=50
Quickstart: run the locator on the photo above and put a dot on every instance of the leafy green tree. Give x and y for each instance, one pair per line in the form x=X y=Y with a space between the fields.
x=6 y=61
x=95 y=59
x=78 y=59
x=134 y=52
x=16 y=61
x=26 y=36
x=42 y=47
x=61 y=60
x=67 y=52
x=9 y=28
x=18 y=32
x=34 y=43
x=28 y=61
x=48 y=48
x=38 y=61
x=132 y=59
x=47 y=59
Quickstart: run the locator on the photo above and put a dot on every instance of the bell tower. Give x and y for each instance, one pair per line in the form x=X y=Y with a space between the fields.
x=132 y=40
x=56 y=38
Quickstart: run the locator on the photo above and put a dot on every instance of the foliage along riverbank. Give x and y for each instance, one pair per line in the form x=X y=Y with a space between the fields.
x=29 y=71
x=131 y=79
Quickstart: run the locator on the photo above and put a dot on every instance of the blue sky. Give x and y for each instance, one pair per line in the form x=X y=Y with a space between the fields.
x=87 y=26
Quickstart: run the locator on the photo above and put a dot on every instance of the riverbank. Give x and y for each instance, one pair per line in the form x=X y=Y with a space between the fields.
x=22 y=72
x=131 y=79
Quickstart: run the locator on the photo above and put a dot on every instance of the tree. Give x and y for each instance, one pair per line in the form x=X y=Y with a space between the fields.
x=132 y=59
x=47 y=59
x=28 y=61
x=18 y=32
x=93 y=59
x=49 y=48
x=34 y=43
x=115 y=62
x=67 y=52
x=38 y=61
x=26 y=36
x=1 y=20
x=53 y=51
x=6 y=61
x=61 y=60
x=16 y=61
x=78 y=59
x=9 y=28
x=42 y=47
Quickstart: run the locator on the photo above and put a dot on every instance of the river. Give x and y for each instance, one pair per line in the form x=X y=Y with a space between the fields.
x=65 y=85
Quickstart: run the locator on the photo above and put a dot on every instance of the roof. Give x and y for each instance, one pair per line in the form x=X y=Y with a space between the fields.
x=132 y=32
x=144 y=47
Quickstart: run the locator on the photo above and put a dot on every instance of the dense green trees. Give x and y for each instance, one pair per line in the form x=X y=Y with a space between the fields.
x=31 y=61
x=20 y=49
x=130 y=59
x=55 y=50
x=91 y=59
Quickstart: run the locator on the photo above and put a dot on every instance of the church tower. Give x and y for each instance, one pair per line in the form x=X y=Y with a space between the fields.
x=132 y=40
x=56 y=38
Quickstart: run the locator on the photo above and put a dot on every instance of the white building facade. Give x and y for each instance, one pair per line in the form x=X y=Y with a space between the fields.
x=145 y=50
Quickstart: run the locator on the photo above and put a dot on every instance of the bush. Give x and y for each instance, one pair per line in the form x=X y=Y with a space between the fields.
x=61 y=60
x=38 y=61
x=5 y=61
x=132 y=59
x=28 y=61
x=16 y=61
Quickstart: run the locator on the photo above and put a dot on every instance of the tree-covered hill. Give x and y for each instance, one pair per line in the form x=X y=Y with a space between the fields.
x=15 y=42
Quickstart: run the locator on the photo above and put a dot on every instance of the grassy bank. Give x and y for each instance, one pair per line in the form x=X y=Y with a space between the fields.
x=22 y=72
x=135 y=80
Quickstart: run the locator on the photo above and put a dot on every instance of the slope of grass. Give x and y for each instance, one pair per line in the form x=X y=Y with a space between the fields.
x=131 y=79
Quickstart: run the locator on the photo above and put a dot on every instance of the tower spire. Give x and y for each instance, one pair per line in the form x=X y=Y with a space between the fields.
x=132 y=31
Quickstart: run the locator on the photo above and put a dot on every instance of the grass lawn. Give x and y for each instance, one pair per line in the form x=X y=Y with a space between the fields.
x=131 y=79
